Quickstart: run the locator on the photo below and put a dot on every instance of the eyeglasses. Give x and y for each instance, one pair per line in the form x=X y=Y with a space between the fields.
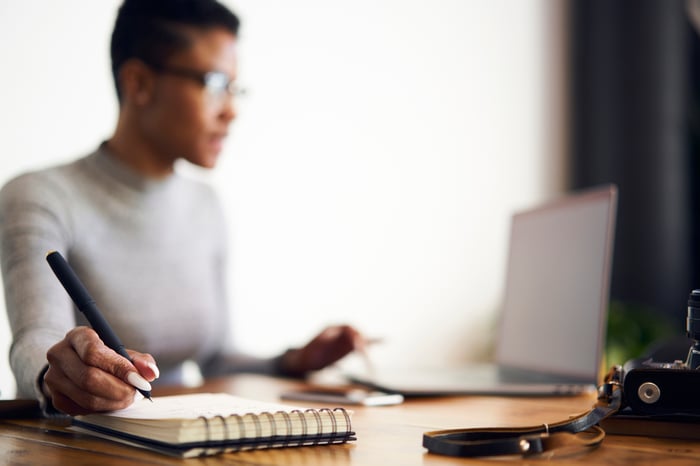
x=216 y=83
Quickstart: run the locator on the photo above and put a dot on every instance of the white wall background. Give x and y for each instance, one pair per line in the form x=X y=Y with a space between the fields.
x=372 y=170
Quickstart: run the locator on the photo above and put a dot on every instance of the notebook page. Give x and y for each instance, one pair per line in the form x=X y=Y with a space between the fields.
x=193 y=406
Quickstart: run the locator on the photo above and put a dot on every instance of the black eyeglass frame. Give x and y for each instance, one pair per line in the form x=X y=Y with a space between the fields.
x=215 y=82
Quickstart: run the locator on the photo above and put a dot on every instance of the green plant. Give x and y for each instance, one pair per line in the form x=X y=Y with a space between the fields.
x=631 y=329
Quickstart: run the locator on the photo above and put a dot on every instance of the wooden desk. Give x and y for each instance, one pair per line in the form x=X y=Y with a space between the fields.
x=389 y=435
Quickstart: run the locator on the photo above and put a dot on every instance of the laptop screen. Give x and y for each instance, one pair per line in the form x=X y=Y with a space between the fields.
x=556 y=294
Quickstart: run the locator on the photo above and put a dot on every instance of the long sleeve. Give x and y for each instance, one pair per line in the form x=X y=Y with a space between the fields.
x=38 y=309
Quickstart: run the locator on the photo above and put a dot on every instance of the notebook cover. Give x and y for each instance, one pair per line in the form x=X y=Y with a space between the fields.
x=193 y=449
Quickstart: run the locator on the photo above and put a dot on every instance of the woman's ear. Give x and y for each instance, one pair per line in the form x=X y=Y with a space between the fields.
x=136 y=81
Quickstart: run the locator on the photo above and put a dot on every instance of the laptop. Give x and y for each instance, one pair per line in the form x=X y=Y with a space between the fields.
x=553 y=320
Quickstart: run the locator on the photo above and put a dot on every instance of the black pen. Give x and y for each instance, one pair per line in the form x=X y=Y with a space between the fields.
x=86 y=304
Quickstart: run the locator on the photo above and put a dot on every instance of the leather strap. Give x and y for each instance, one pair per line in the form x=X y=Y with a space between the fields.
x=579 y=432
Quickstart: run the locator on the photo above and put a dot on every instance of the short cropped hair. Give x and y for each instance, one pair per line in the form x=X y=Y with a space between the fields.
x=152 y=30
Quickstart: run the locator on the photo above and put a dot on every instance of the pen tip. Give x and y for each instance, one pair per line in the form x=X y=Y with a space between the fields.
x=50 y=252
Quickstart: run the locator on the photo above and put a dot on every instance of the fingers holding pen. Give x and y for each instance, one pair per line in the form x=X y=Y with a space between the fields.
x=70 y=397
x=85 y=375
x=96 y=354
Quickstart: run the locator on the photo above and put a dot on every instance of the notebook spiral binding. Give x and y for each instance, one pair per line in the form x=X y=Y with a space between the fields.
x=288 y=439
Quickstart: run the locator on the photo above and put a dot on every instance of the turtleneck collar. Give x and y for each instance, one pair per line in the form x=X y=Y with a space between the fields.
x=106 y=162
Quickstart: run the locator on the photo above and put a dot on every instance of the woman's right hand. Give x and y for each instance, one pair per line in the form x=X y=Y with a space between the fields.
x=86 y=376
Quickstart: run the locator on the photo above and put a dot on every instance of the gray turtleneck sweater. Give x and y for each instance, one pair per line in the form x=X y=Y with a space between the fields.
x=151 y=253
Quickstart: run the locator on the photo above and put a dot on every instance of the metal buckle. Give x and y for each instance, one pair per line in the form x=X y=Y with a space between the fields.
x=612 y=382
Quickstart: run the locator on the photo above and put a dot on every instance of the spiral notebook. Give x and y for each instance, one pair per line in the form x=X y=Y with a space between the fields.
x=211 y=423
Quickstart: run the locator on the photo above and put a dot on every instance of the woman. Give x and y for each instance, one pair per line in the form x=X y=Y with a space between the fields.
x=148 y=243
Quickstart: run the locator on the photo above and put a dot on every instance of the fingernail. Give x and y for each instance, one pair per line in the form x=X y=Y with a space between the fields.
x=139 y=382
x=154 y=368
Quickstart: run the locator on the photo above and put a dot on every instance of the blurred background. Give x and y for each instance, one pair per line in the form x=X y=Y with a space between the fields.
x=382 y=146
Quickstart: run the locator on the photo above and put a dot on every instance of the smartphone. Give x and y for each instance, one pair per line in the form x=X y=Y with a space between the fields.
x=345 y=396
